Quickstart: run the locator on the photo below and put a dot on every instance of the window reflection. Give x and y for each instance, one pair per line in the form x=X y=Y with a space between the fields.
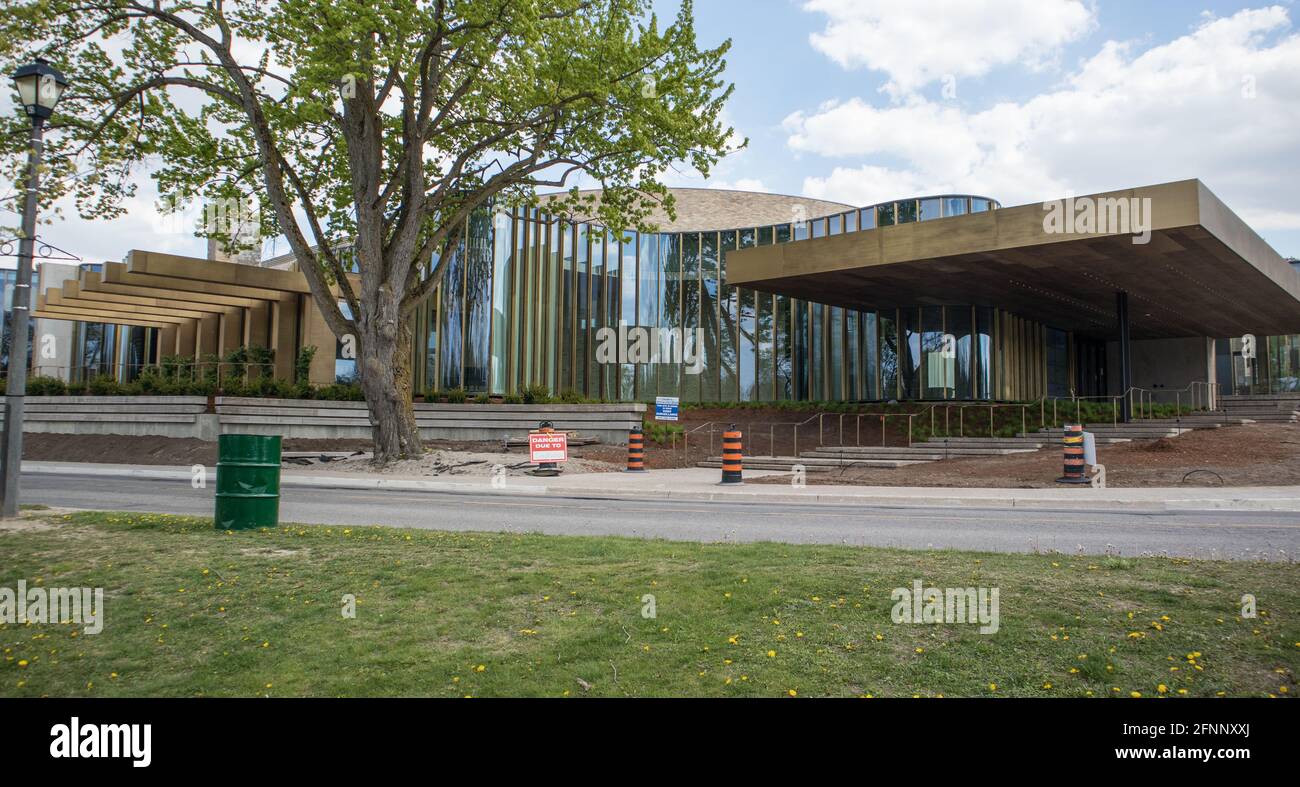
x=885 y=215
x=906 y=211
x=930 y=209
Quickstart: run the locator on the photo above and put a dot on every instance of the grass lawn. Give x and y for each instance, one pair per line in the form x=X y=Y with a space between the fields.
x=195 y=612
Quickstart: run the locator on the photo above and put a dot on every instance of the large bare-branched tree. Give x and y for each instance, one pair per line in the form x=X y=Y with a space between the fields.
x=369 y=130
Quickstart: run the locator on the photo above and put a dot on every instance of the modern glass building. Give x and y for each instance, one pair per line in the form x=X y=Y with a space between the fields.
x=530 y=297
x=744 y=297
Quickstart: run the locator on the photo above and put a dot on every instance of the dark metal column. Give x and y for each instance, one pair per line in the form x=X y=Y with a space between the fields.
x=1125 y=357
x=11 y=443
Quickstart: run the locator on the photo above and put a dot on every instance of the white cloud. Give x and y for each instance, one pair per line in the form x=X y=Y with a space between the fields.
x=922 y=41
x=1221 y=104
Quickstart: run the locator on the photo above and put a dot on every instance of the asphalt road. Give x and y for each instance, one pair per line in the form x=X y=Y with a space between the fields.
x=1220 y=535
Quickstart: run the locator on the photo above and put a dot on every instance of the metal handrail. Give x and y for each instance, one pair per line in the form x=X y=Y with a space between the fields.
x=962 y=407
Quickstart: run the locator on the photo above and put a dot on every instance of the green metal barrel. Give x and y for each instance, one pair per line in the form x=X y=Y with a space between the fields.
x=248 y=481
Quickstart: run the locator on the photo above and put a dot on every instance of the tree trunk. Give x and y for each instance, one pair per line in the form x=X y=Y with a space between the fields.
x=385 y=372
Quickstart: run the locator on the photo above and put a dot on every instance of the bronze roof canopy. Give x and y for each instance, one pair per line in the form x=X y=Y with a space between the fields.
x=1202 y=271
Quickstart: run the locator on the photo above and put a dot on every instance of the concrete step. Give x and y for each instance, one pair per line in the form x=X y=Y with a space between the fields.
x=919 y=449
x=988 y=442
x=1131 y=434
x=811 y=464
x=1289 y=396
x=1039 y=439
x=1274 y=419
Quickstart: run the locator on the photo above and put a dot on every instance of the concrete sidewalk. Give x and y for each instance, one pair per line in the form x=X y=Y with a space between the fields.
x=700 y=484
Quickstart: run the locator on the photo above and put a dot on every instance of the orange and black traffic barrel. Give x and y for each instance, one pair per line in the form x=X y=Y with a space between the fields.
x=731 y=461
x=635 y=451
x=1074 y=469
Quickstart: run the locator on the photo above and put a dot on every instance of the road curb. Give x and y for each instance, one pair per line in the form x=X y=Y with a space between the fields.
x=749 y=494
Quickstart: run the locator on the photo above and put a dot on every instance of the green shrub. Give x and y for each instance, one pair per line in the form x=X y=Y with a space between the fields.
x=535 y=394
x=482 y=399
x=571 y=396
x=42 y=385
x=661 y=433
x=261 y=362
x=457 y=396
x=339 y=392
x=302 y=364
x=199 y=388
x=512 y=399
x=103 y=385
x=153 y=382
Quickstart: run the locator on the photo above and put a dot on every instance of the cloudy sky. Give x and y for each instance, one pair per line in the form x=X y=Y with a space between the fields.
x=1021 y=100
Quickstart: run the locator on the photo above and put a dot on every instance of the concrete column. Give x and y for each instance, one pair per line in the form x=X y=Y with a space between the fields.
x=1125 y=356
x=167 y=341
x=256 y=328
x=1211 y=375
x=231 y=331
x=206 y=337
x=316 y=332
x=184 y=341
x=283 y=322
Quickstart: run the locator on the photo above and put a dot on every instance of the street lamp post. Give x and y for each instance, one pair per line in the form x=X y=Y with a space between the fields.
x=39 y=88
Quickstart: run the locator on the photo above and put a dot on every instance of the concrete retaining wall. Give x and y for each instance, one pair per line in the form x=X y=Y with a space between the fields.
x=165 y=416
x=189 y=416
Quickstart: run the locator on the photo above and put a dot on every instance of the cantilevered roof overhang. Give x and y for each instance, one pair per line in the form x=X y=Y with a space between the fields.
x=1203 y=272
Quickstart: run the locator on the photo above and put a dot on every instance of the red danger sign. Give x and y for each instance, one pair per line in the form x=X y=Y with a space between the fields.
x=544 y=447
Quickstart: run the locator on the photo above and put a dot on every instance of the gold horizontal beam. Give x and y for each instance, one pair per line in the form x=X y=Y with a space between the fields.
x=105 y=315
x=118 y=273
x=43 y=314
x=57 y=298
x=211 y=272
x=74 y=290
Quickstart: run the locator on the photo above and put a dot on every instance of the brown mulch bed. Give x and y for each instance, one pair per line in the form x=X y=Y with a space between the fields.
x=1251 y=455
x=150 y=450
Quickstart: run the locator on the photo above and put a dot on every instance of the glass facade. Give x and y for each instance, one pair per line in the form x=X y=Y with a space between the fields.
x=1274 y=369
x=532 y=298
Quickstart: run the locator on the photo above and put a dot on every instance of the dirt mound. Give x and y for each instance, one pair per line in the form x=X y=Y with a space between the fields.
x=1160 y=445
